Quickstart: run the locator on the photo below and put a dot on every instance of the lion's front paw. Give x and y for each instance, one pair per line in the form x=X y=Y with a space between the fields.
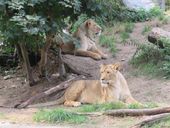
x=76 y=104
x=97 y=57
x=104 y=56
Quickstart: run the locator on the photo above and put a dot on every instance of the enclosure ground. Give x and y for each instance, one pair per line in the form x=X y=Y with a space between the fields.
x=143 y=88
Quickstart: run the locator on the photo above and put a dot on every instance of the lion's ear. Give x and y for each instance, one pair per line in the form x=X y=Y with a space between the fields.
x=88 y=23
x=102 y=65
x=116 y=66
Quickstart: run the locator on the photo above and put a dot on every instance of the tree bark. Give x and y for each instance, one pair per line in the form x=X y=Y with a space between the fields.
x=137 y=112
x=151 y=120
x=61 y=67
x=44 y=53
x=156 y=35
x=27 y=64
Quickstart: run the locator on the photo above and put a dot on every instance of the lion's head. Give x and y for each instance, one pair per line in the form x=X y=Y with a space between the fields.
x=92 y=29
x=108 y=74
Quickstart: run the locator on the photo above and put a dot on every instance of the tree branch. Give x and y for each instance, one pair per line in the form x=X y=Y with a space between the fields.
x=58 y=88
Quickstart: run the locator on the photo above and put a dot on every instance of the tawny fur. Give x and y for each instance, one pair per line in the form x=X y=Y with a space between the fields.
x=111 y=87
x=86 y=34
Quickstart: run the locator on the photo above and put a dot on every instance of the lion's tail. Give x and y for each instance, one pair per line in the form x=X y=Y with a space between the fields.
x=48 y=104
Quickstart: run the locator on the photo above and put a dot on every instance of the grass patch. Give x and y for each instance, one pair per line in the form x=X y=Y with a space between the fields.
x=70 y=116
x=109 y=42
x=124 y=36
x=116 y=105
x=146 y=29
x=151 y=60
x=101 y=107
x=129 y=27
x=59 y=116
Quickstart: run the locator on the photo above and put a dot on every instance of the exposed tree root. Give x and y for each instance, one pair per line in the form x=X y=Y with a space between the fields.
x=151 y=120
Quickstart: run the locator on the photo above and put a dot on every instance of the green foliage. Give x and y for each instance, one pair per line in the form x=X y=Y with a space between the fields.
x=30 y=22
x=109 y=42
x=80 y=20
x=153 y=60
x=166 y=68
x=139 y=15
x=58 y=116
x=147 y=52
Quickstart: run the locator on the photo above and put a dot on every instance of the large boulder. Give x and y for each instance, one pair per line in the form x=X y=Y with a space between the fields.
x=139 y=4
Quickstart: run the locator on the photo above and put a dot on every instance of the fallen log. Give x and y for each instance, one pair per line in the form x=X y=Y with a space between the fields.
x=156 y=36
x=57 y=88
x=151 y=120
x=137 y=112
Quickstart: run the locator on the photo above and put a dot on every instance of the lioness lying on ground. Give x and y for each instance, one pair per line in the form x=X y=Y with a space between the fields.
x=111 y=87
x=86 y=34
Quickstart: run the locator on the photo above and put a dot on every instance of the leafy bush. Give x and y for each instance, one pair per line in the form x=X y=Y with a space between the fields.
x=166 y=68
x=140 y=15
x=109 y=42
x=147 y=52
x=153 y=59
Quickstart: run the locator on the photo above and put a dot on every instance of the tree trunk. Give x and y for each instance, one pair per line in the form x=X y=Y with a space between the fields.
x=27 y=64
x=156 y=35
x=62 y=70
x=44 y=53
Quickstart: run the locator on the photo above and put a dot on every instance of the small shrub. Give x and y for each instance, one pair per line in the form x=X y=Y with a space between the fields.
x=166 y=68
x=146 y=29
x=151 y=59
x=58 y=116
x=147 y=53
x=129 y=26
x=109 y=42
x=124 y=36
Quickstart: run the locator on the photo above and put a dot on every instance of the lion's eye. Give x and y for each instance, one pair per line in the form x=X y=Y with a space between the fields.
x=108 y=72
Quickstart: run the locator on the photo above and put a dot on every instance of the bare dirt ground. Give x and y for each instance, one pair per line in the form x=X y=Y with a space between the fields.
x=143 y=88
